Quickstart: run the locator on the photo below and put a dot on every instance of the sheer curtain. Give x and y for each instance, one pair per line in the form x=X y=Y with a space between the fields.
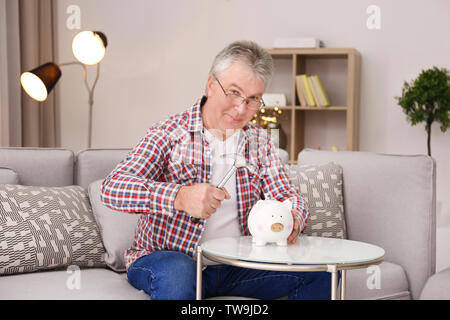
x=40 y=124
x=10 y=107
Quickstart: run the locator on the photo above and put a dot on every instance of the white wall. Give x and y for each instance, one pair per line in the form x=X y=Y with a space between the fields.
x=159 y=53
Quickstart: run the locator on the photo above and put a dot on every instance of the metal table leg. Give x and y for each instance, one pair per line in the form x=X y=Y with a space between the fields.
x=198 y=294
x=334 y=281
x=343 y=277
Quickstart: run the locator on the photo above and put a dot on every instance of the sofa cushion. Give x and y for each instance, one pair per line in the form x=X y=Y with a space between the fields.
x=73 y=284
x=321 y=187
x=8 y=176
x=46 y=228
x=50 y=167
x=94 y=164
x=284 y=155
x=116 y=228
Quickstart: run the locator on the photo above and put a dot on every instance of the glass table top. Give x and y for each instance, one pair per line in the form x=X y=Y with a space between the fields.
x=307 y=250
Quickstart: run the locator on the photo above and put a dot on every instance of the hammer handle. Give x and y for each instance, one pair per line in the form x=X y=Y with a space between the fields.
x=227 y=177
x=220 y=186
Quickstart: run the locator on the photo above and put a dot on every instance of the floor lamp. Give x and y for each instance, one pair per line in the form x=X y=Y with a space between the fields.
x=89 y=48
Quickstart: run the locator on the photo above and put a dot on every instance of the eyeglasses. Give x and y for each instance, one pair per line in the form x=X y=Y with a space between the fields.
x=253 y=103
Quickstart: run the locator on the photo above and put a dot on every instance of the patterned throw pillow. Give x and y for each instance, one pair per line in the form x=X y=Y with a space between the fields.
x=47 y=227
x=321 y=187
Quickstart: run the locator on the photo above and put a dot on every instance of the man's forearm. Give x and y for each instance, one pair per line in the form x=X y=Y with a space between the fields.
x=135 y=195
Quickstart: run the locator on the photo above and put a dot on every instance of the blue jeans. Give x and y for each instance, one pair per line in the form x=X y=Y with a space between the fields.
x=171 y=275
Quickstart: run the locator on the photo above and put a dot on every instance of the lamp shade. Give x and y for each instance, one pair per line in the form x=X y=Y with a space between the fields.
x=40 y=81
x=89 y=47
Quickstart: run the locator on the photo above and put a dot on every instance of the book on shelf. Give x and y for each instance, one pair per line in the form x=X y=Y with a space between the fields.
x=300 y=91
x=314 y=91
x=323 y=97
x=310 y=91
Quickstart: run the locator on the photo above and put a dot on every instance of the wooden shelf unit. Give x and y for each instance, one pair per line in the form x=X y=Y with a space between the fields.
x=339 y=69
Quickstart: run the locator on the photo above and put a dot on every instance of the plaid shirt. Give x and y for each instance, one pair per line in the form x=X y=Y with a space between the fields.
x=175 y=153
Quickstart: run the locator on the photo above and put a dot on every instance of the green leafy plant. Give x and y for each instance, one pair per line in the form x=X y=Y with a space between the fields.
x=427 y=99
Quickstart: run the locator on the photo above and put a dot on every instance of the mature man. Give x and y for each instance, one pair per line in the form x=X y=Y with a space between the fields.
x=171 y=175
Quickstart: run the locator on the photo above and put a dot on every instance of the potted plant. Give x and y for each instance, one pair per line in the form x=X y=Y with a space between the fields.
x=427 y=99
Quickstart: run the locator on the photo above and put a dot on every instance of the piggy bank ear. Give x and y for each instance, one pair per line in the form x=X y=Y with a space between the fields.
x=287 y=204
x=258 y=203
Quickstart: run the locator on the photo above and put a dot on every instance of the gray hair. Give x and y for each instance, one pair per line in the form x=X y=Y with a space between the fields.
x=248 y=52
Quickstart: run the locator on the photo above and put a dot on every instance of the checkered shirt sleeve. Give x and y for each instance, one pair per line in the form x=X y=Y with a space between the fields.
x=135 y=185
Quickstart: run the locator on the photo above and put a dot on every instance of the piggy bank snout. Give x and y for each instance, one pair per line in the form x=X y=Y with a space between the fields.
x=277 y=227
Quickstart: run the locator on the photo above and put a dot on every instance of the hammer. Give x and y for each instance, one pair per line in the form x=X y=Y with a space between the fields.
x=239 y=162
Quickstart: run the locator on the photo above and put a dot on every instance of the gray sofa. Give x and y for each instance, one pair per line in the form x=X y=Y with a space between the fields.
x=389 y=201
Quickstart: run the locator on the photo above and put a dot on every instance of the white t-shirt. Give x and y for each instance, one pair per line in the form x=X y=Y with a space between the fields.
x=224 y=222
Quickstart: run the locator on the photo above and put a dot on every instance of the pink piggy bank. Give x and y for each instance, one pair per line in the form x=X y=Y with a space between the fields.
x=271 y=221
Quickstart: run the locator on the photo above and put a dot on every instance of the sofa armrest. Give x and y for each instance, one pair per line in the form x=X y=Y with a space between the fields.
x=437 y=287
x=390 y=201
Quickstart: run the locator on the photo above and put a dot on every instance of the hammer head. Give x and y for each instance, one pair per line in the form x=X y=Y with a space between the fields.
x=240 y=161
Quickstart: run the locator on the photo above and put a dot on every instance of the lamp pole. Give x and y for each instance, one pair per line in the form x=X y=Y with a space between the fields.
x=90 y=92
